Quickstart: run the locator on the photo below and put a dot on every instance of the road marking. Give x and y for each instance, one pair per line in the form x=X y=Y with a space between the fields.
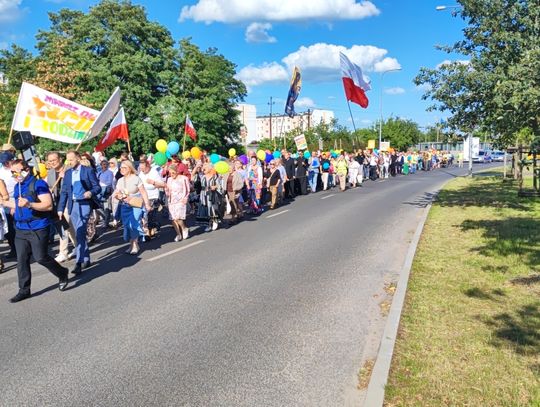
x=176 y=250
x=277 y=214
x=328 y=196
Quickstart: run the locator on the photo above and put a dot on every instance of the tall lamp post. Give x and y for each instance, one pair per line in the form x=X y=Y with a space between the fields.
x=380 y=102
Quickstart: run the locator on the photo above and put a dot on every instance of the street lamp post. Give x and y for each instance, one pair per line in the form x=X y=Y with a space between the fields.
x=380 y=102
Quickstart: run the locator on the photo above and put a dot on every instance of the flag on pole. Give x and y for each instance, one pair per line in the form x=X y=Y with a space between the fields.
x=294 y=91
x=190 y=129
x=118 y=130
x=353 y=81
x=106 y=114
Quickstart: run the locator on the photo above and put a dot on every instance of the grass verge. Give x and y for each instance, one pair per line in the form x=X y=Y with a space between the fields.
x=470 y=328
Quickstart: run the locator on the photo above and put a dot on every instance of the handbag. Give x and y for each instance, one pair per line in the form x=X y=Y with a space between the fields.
x=136 y=202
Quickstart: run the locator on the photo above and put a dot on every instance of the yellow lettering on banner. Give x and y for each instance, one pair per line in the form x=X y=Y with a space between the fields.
x=68 y=118
x=27 y=119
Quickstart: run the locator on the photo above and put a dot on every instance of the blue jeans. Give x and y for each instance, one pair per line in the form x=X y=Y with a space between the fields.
x=312 y=179
x=80 y=212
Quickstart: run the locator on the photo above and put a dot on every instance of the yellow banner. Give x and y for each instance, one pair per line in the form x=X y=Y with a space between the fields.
x=371 y=144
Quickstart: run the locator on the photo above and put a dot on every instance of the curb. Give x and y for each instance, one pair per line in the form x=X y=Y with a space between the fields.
x=379 y=376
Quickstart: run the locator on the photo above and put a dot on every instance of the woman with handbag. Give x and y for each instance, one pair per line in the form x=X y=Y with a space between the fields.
x=211 y=201
x=177 y=191
x=132 y=197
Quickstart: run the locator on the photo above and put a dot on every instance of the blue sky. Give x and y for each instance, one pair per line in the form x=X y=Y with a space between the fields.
x=266 y=38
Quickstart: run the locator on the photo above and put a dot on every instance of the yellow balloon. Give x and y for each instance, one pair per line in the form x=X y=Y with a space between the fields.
x=232 y=152
x=161 y=145
x=196 y=152
x=261 y=155
x=221 y=167
x=186 y=154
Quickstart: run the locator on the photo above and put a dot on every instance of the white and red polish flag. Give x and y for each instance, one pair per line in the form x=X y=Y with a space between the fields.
x=118 y=130
x=190 y=129
x=353 y=81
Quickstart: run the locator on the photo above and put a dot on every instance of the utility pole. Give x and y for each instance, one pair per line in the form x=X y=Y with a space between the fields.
x=271 y=103
x=308 y=119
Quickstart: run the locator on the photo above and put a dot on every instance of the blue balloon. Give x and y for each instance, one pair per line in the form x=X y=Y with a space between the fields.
x=334 y=155
x=214 y=158
x=173 y=147
x=307 y=154
x=295 y=156
x=326 y=166
x=168 y=154
x=269 y=157
x=276 y=154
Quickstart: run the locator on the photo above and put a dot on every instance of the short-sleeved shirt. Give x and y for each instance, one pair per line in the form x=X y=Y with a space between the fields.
x=129 y=185
x=25 y=218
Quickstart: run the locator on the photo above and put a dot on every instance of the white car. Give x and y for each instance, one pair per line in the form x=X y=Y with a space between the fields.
x=483 y=156
x=499 y=156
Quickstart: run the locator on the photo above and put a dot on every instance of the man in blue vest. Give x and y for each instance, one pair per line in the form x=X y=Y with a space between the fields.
x=32 y=206
x=79 y=193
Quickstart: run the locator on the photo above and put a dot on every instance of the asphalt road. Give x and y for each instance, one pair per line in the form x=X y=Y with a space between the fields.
x=279 y=310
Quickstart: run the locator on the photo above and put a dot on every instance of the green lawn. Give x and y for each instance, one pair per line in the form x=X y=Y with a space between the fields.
x=470 y=328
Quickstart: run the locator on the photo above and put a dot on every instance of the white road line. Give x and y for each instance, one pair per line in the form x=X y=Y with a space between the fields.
x=328 y=196
x=277 y=214
x=176 y=250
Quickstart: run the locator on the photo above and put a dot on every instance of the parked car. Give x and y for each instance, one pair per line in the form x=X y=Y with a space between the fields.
x=499 y=156
x=484 y=156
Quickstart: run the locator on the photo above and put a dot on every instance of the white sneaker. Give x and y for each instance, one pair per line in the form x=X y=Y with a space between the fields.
x=60 y=258
x=177 y=238
x=214 y=225
x=185 y=233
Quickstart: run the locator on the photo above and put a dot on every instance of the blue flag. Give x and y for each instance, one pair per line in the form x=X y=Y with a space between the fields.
x=294 y=91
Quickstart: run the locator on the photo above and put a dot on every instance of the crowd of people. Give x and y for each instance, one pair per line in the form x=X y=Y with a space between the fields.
x=81 y=195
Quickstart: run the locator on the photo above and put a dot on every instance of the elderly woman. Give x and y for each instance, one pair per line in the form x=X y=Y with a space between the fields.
x=177 y=191
x=211 y=199
x=132 y=196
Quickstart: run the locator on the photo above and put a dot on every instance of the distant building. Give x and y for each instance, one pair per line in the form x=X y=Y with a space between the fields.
x=248 y=118
x=282 y=124
x=3 y=79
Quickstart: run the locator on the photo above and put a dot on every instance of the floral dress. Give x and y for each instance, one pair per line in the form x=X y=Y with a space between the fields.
x=254 y=176
x=177 y=192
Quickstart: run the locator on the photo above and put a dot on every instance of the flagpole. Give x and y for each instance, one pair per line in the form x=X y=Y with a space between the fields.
x=184 y=143
x=352 y=118
x=15 y=114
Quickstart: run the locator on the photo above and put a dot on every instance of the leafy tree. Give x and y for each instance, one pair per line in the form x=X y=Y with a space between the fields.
x=498 y=91
x=17 y=65
x=401 y=133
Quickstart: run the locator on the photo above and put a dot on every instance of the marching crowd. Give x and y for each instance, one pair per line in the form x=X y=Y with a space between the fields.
x=79 y=194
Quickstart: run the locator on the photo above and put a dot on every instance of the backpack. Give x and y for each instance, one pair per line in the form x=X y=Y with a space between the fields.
x=33 y=194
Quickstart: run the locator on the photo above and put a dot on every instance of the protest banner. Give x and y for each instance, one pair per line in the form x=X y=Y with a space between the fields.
x=48 y=115
x=301 y=143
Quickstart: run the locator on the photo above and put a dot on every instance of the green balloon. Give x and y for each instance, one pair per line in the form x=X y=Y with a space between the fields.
x=160 y=158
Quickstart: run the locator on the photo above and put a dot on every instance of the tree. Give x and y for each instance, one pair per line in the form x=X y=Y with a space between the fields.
x=401 y=133
x=498 y=89
x=115 y=44
x=17 y=65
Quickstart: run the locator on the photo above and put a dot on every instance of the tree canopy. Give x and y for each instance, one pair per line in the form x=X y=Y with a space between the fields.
x=497 y=90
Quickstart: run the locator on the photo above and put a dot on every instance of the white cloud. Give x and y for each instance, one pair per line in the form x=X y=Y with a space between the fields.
x=258 y=32
x=9 y=10
x=232 y=11
x=319 y=63
x=423 y=87
x=448 y=62
x=394 y=91
x=304 y=103
x=266 y=73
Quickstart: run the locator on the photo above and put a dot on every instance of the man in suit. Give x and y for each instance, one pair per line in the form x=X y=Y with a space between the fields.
x=79 y=195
